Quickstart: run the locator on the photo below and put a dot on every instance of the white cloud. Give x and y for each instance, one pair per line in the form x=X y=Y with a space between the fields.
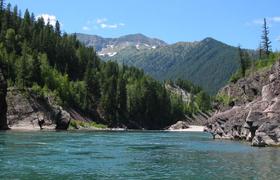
x=275 y=19
x=270 y=20
x=278 y=38
x=48 y=18
x=102 y=23
x=86 y=28
x=101 y=20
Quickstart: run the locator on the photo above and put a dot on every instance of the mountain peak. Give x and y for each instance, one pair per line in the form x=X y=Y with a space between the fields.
x=209 y=39
x=111 y=46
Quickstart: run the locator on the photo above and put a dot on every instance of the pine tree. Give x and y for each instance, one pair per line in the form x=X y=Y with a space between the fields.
x=2 y=6
x=57 y=28
x=122 y=100
x=36 y=69
x=25 y=26
x=242 y=61
x=266 y=43
x=23 y=74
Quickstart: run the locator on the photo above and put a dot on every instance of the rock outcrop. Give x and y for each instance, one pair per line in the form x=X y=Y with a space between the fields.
x=255 y=112
x=3 y=103
x=179 y=125
x=26 y=110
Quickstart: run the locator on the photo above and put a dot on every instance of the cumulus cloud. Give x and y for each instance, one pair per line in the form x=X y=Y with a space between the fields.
x=48 y=18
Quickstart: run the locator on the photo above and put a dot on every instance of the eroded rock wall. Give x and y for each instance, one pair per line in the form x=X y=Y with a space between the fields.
x=255 y=115
x=25 y=110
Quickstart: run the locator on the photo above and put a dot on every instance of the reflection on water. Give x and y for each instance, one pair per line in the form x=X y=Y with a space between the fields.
x=132 y=155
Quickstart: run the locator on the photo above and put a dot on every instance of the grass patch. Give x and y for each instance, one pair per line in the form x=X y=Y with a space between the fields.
x=224 y=99
x=76 y=124
x=256 y=66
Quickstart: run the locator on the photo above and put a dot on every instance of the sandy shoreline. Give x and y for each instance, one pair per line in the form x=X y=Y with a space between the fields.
x=192 y=128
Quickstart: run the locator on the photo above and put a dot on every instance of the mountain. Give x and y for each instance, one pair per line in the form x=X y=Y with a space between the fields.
x=111 y=46
x=208 y=63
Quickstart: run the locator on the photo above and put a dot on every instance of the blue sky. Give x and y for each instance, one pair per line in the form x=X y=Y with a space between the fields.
x=233 y=22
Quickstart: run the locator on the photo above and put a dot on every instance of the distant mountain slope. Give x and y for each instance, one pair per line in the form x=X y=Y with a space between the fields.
x=110 y=46
x=208 y=63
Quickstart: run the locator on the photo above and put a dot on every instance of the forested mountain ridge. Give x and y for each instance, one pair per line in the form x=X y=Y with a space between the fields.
x=208 y=63
x=50 y=65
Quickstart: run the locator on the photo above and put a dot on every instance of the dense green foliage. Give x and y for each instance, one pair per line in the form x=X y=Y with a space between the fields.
x=253 y=66
x=208 y=63
x=40 y=58
x=195 y=100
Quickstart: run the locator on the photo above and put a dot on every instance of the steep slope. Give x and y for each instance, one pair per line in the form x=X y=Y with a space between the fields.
x=252 y=112
x=208 y=63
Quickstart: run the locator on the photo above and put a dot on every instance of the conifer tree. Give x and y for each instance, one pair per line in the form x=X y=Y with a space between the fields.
x=122 y=100
x=266 y=43
x=57 y=28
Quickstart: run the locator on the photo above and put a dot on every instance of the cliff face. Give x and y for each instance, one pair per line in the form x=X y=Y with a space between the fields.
x=3 y=103
x=25 y=111
x=254 y=114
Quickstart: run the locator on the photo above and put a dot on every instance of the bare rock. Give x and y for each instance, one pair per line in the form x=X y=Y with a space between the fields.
x=62 y=119
x=179 y=125
x=257 y=116
x=26 y=110
x=268 y=134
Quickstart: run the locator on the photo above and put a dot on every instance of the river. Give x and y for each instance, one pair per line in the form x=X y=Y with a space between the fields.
x=132 y=155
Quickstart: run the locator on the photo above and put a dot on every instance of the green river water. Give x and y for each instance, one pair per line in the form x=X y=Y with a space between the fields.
x=132 y=155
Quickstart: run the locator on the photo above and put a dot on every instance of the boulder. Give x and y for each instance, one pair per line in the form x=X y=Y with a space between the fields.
x=179 y=125
x=62 y=119
x=268 y=134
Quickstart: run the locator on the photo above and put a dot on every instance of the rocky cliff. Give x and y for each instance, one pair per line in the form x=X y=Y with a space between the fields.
x=3 y=103
x=26 y=110
x=253 y=113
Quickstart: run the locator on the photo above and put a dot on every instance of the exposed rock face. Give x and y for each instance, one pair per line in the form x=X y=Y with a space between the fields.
x=62 y=118
x=179 y=125
x=26 y=110
x=3 y=103
x=255 y=116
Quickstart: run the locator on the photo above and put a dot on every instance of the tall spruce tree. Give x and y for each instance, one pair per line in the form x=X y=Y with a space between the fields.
x=266 y=43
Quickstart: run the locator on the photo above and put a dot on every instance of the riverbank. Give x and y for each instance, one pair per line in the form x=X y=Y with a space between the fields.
x=191 y=128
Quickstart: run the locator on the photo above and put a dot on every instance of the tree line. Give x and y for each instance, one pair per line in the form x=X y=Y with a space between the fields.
x=264 y=54
x=39 y=57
